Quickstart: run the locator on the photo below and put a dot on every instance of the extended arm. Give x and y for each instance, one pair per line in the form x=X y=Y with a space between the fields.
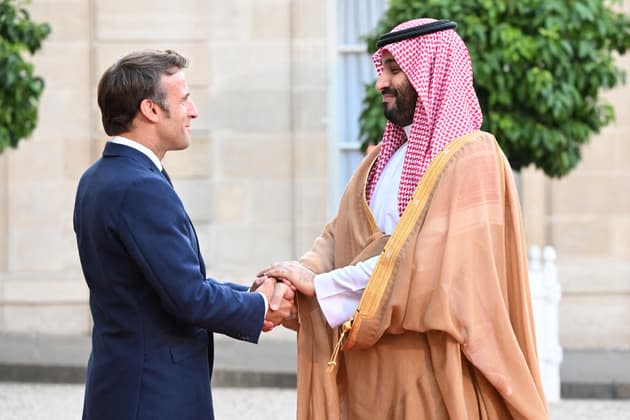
x=157 y=233
x=338 y=291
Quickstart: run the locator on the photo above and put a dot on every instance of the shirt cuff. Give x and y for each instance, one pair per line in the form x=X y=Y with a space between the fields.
x=338 y=307
x=265 y=300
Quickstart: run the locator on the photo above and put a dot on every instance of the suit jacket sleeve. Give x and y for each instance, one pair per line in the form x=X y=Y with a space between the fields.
x=158 y=235
x=236 y=286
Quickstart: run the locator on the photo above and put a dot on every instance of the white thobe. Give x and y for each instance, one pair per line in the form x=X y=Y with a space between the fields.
x=339 y=291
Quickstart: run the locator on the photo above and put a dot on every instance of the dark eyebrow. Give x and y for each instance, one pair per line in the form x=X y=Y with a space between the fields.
x=390 y=61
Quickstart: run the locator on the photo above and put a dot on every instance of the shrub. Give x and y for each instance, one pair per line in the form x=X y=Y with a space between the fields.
x=20 y=89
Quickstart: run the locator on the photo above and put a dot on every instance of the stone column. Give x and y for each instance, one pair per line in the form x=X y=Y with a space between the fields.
x=250 y=109
x=4 y=233
x=4 y=228
x=310 y=55
x=42 y=290
x=535 y=206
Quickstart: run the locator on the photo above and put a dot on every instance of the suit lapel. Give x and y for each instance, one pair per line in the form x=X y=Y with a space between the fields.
x=118 y=150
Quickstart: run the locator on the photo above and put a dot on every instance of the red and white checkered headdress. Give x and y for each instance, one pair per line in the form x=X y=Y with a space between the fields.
x=439 y=69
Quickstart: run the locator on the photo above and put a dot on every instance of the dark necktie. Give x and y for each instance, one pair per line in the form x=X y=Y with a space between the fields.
x=168 y=178
x=203 y=267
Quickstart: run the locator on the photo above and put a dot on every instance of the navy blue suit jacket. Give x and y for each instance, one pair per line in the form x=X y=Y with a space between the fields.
x=154 y=311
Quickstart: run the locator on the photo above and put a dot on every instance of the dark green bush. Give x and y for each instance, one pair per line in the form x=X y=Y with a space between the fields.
x=20 y=89
x=540 y=67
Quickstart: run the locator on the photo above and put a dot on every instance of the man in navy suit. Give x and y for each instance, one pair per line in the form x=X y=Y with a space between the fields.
x=153 y=308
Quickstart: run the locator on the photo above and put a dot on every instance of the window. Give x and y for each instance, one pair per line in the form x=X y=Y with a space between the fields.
x=351 y=69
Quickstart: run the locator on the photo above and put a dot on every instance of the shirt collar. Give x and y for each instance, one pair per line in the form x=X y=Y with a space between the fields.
x=139 y=147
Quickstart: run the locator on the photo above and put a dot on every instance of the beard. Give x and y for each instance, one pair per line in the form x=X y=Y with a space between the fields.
x=401 y=111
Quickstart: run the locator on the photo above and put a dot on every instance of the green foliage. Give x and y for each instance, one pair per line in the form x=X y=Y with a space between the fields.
x=20 y=89
x=539 y=66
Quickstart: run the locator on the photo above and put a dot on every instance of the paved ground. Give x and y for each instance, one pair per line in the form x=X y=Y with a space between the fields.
x=41 y=377
x=20 y=401
x=601 y=374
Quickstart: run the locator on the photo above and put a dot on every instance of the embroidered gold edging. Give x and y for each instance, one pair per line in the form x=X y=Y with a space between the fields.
x=382 y=272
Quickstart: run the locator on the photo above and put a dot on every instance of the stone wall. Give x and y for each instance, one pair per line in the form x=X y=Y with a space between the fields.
x=40 y=281
x=255 y=180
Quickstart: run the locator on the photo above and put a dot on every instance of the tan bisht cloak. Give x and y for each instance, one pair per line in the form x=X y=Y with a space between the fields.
x=444 y=329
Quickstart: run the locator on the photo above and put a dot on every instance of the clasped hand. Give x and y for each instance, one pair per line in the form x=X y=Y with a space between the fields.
x=285 y=278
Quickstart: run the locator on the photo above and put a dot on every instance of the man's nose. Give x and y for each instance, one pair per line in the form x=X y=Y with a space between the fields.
x=192 y=112
x=382 y=82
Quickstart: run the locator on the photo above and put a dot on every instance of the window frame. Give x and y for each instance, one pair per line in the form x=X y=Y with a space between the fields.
x=345 y=58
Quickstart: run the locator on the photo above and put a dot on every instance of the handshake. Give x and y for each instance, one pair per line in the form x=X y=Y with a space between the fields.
x=279 y=283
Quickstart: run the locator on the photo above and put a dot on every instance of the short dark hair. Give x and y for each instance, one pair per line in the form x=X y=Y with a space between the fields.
x=133 y=78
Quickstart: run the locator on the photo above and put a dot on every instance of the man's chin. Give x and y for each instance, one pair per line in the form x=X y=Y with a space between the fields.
x=184 y=144
x=389 y=110
x=391 y=116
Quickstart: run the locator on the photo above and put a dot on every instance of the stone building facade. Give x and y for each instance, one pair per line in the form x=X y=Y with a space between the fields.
x=256 y=178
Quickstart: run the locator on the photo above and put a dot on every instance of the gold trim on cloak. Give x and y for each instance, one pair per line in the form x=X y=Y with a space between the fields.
x=381 y=276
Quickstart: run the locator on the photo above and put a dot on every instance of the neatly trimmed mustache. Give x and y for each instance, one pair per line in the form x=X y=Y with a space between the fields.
x=389 y=91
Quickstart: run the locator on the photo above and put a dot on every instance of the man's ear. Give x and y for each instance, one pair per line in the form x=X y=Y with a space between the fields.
x=148 y=109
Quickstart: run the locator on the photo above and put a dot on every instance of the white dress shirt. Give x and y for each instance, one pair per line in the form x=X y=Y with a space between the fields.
x=339 y=291
x=139 y=147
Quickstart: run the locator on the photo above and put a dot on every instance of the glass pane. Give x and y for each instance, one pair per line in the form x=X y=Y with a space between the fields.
x=349 y=160
x=355 y=19
x=353 y=93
